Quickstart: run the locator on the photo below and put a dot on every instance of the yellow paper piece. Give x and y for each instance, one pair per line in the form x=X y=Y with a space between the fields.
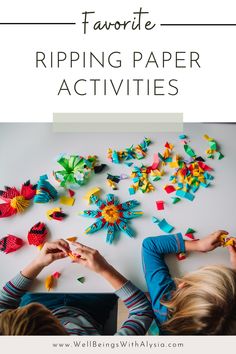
x=94 y=191
x=51 y=211
x=69 y=201
x=49 y=281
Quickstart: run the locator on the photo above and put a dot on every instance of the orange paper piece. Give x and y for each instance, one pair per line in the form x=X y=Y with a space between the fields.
x=72 y=239
x=49 y=282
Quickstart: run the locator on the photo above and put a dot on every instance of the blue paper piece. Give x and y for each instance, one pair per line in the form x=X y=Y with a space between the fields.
x=186 y=195
x=128 y=163
x=163 y=224
x=182 y=136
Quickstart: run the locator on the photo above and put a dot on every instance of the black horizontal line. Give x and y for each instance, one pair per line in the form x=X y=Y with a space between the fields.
x=37 y=23
x=198 y=24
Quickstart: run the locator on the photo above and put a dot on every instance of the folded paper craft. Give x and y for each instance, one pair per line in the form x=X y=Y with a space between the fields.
x=10 y=244
x=16 y=201
x=45 y=191
x=37 y=234
x=77 y=170
x=113 y=215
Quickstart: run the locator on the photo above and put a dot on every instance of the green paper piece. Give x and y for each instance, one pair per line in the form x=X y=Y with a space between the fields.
x=156 y=178
x=212 y=144
x=189 y=150
x=81 y=279
x=219 y=155
x=190 y=231
x=175 y=200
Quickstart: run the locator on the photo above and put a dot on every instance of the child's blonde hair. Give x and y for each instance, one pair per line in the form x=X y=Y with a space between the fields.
x=33 y=319
x=203 y=303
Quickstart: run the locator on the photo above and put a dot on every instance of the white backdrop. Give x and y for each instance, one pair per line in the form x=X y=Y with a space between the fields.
x=29 y=95
x=30 y=150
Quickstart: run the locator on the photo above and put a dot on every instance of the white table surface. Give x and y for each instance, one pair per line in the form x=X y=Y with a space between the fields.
x=30 y=150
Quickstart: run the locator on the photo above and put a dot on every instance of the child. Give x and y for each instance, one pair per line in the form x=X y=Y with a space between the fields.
x=67 y=317
x=202 y=302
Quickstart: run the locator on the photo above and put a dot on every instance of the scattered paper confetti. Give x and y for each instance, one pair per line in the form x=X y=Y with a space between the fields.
x=169 y=189
x=189 y=150
x=94 y=191
x=49 y=283
x=55 y=214
x=112 y=215
x=182 y=136
x=68 y=201
x=16 y=201
x=190 y=233
x=160 y=204
x=71 y=193
x=37 y=234
x=72 y=239
x=163 y=224
x=181 y=256
x=56 y=275
x=45 y=191
x=77 y=170
x=137 y=152
x=10 y=244
x=213 y=148
x=175 y=200
x=81 y=279
x=112 y=180
x=186 y=195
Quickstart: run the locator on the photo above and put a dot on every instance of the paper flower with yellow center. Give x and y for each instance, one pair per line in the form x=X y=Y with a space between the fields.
x=113 y=215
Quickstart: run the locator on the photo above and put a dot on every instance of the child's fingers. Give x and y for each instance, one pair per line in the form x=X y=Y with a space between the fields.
x=64 y=244
x=58 y=255
x=82 y=246
x=231 y=250
x=222 y=232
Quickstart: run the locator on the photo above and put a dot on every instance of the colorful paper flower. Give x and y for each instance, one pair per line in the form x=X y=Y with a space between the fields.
x=76 y=170
x=113 y=215
x=16 y=201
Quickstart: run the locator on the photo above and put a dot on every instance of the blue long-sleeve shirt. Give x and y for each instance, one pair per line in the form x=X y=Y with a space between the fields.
x=158 y=279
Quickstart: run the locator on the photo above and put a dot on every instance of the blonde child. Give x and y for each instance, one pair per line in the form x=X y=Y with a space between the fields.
x=69 y=314
x=202 y=302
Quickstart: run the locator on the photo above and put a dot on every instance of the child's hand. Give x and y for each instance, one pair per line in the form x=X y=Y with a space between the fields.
x=210 y=242
x=232 y=254
x=90 y=258
x=53 y=251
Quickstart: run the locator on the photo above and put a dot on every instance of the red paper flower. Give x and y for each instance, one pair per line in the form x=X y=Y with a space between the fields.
x=16 y=201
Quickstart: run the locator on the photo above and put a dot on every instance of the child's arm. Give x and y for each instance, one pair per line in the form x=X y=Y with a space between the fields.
x=12 y=292
x=140 y=311
x=156 y=271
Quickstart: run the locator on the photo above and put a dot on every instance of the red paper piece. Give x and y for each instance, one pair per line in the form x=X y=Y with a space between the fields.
x=56 y=275
x=160 y=204
x=155 y=162
x=181 y=256
x=58 y=215
x=190 y=235
x=167 y=145
x=204 y=166
x=10 y=244
x=71 y=193
x=169 y=189
x=37 y=234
